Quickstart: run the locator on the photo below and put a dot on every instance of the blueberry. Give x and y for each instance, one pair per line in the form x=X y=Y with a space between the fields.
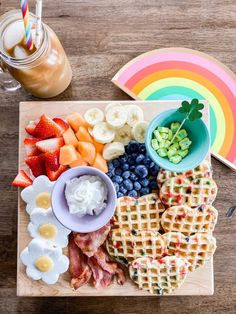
x=118 y=171
x=109 y=174
x=137 y=186
x=141 y=171
x=124 y=166
x=153 y=185
x=123 y=158
x=116 y=163
x=144 y=191
x=144 y=182
x=110 y=166
x=123 y=189
x=116 y=185
x=131 y=160
x=117 y=179
x=132 y=168
x=119 y=194
x=147 y=161
x=153 y=171
x=133 y=193
x=126 y=174
x=142 y=148
x=140 y=158
x=133 y=147
x=128 y=184
x=133 y=177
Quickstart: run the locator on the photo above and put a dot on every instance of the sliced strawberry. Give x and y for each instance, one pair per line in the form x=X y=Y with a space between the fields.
x=36 y=164
x=53 y=175
x=52 y=160
x=46 y=128
x=31 y=127
x=63 y=124
x=30 y=147
x=50 y=145
x=22 y=179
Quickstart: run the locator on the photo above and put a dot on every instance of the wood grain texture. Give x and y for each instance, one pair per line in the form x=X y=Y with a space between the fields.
x=100 y=37
x=200 y=282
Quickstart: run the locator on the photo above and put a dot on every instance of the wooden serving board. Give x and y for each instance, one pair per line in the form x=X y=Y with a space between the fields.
x=200 y=282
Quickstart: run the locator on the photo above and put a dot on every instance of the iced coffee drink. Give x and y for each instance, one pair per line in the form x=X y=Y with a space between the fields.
x=45 y=72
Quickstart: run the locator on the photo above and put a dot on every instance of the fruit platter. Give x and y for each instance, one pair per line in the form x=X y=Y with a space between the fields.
x=99 y=214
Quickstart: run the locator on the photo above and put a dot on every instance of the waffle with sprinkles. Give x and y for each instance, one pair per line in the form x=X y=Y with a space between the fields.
x=189 y=220
x=141 y=213
x=183 y=191
x=161 y=276
x=197 y=248
x=127 y=245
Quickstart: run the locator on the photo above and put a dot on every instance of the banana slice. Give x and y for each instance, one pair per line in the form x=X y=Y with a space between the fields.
x=139 y=131
x=116 y=116
x=111 y=105
x=135 y=114
x=124 y=135
x=103 y=133
x=94 y=116
x=113 y=150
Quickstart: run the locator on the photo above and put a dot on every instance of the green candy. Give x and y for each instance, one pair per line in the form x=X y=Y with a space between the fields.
x=185 y=143
x=163 y=129
x=162 y=152
x=175 y=159
x=155 y=144
x=174 y=126
x=158 y=136
x=183 y=153
x=181 y=135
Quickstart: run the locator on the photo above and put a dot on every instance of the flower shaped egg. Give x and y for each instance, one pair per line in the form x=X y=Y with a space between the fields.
x=44 y=261
x=38 y=194
x=46 y=227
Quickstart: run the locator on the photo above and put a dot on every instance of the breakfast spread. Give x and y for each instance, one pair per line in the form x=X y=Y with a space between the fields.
x=162 y=226
x=86 y=195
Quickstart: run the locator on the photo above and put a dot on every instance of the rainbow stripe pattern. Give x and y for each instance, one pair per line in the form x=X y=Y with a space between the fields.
x=27 y=24
x=180 y=73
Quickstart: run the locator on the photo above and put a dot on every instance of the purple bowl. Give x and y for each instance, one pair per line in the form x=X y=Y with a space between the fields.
x=86 y=223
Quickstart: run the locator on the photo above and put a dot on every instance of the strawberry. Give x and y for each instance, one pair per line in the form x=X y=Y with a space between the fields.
x=50 y=145
x=53 y=175
x=63 y=124
x=22 y=179
x=30 y=147
x=46 y=128
x=31 y=127
x=52 y=160
x=36 y=164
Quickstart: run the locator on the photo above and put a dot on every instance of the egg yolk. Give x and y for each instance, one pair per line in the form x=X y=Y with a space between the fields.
x=48 y=231
x=44 y=264
x=43 y=200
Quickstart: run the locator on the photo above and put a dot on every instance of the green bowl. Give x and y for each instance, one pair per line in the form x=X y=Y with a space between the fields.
x=197 y=132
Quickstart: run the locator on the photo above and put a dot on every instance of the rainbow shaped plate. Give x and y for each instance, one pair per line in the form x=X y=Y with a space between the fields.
x=180 y=73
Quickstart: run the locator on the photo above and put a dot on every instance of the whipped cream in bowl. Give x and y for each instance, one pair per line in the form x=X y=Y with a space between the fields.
x=83 y=199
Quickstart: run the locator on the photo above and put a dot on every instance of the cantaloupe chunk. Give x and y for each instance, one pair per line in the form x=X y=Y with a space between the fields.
x=70 y=138
x=87 y=151
x=68 y=154
x=100 y=163
x=99 y=147
x=78 y=162
x=83 y=135
x=75 y=120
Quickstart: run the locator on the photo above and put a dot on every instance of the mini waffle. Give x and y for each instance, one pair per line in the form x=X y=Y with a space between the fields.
x=126 y=245
x=197 y=249
x=161 y=276
x=189 y=220
x=183 y=191
x=201 y=171
x=139 y=214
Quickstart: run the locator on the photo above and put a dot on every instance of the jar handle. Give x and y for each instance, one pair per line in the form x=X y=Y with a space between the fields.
x=7 y=82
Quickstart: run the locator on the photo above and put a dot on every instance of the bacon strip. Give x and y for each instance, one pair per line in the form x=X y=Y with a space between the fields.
x=79 y=268
x=90 y=242
x=102 y=279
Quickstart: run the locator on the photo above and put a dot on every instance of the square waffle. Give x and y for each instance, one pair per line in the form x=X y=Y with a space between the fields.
x=127 y=245
x=183 y=191
x=197 y=249
x=161 y=276
x=142 y=213
x=203 y=170
x=189 y=220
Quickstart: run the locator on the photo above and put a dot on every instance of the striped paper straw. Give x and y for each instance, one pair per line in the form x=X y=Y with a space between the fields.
x=38 y=23
x=27 y=24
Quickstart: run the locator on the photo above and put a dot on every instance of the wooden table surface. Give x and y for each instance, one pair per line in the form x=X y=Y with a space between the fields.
x=99 y=37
